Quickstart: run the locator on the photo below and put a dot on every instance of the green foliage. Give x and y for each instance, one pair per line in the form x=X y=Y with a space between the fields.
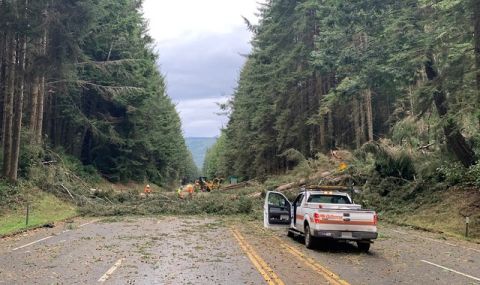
x=389 y=162
x=474 y=174
x=452 y=173
x=456 y=174
x=304 y=84
x=7 y=192
x=109 y=105
x=168 y=203
x=30 y=155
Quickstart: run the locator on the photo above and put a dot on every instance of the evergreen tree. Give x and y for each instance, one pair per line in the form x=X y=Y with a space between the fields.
x=91 y=85
x=337 y=74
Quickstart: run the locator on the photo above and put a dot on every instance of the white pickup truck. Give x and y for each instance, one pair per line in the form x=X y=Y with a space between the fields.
x=321 y=214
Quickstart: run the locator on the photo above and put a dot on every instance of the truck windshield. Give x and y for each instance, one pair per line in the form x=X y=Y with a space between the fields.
x=330 y=199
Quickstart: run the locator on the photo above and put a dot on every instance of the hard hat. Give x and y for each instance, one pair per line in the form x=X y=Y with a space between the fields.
x=148 y=185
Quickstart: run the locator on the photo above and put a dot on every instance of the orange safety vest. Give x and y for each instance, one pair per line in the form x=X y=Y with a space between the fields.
x=190 y=188
x=147 y=189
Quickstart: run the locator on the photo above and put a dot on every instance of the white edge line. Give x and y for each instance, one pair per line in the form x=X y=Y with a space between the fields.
x=110 y=271
x=45 y=238
x=451 y=270
x=437 y=240
x=32 y=243
x=86 y=224
x=451 y=244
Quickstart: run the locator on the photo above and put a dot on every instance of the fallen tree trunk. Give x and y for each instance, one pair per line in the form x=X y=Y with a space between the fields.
x=302 y=181
x=238 y=186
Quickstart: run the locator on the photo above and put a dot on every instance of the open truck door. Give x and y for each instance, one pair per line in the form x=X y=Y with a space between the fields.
x=277 y=211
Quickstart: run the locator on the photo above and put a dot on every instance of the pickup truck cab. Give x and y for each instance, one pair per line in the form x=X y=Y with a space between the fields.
x=321 y=214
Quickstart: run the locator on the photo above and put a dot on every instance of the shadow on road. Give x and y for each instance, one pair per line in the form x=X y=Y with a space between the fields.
x=332 y=246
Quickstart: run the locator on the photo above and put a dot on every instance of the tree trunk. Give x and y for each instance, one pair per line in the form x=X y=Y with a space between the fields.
x=369 y=113
x=323 y=135
x=41 y=97
x=8 y=105
x=3 y=79
x=18 y=111
x=331 y=131
x=356 y=122
x=455 y=140
x=34 y=105
x=363 y=116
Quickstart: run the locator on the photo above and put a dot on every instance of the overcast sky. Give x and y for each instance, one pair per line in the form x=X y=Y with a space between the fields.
x=200 y=45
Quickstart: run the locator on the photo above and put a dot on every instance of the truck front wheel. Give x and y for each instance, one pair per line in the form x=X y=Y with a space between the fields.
x=309 y=239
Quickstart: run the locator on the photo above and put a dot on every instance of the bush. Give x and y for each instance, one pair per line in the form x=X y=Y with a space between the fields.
x=6 y=193
x=452 y=173
x=389 y=162
x=244 y=205
x=31 y=155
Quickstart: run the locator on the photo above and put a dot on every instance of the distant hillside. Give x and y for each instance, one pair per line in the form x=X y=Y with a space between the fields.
x=198 y=147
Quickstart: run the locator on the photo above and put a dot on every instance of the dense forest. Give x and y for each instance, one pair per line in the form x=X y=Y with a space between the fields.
x=80 y=78
x=327 y=75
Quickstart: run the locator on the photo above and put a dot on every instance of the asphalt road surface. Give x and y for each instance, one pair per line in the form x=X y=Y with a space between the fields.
x=206 y=250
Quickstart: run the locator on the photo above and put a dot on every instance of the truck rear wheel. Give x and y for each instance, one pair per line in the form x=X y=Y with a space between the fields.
x=309 y=239
x=363 y=246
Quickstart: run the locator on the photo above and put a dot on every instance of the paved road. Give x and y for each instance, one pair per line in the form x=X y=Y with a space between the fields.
x=186 y=250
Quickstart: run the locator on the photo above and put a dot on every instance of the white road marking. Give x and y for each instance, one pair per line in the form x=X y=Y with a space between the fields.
x=111 y=270
x=400 y=232
x=45 y=238
x=32 y=243
x=451 y=270
x=86 y=224
x=447 y=243
x=439 y=241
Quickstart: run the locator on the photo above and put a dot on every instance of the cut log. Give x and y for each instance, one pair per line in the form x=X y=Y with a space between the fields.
x=303 y=181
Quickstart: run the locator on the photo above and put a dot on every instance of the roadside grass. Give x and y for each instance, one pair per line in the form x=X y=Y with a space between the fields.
x=45 y=208
x=445 y=214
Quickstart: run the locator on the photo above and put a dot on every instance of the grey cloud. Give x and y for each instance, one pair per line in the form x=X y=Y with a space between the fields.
x=199 y=73
x=207 y=66
x=200 y=117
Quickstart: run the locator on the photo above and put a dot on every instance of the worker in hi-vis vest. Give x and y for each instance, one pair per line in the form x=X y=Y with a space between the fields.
x=147 y=190
x=190 y=189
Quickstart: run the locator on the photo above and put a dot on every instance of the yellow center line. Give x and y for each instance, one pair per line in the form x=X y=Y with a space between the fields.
x=260 y=260
x=266 y=271
x=310 y=262
x=254 y=260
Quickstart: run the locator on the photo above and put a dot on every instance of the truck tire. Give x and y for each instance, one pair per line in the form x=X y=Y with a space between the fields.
x=309 y=239
x=363 y=246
